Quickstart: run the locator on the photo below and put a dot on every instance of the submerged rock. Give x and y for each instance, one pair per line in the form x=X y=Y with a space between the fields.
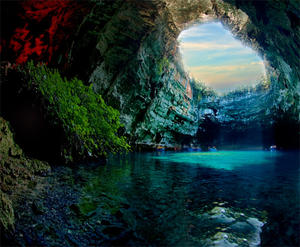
x=232 y=228
x=220 y=215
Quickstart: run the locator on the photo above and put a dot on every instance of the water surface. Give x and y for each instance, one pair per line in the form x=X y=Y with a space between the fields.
x=201 y=199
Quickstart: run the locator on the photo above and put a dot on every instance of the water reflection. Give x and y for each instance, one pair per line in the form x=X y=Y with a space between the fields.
x=228 y=160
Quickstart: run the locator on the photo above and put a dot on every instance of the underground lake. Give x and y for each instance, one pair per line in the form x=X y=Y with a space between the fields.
x=150 y=123
x=230 y=198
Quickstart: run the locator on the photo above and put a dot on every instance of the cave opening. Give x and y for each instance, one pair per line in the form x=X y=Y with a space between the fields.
x=212 y=56
x=232 y=81
x=265 y=110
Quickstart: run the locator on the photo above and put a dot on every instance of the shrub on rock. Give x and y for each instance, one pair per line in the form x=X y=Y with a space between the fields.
x=91 y=126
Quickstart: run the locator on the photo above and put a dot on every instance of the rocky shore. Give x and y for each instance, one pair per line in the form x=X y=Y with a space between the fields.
x=17 y=172
x=49 y=214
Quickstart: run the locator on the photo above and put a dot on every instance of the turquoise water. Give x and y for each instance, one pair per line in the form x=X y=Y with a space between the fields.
x=226 y=198
x=227 y=160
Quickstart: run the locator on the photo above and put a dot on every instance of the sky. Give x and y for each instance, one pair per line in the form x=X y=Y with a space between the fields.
x=212 y=55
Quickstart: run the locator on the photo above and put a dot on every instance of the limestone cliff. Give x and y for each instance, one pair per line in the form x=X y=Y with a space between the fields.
x=138 y=65
x=145 y=81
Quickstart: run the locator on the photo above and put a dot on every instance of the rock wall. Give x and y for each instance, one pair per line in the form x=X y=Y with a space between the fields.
x=139 y=70
x=16 y=171
x=269 y=27
x=146 y=81
x=236 y=120
x=248 y=118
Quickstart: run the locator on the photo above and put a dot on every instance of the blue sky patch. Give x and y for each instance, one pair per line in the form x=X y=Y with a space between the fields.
x=212 y=55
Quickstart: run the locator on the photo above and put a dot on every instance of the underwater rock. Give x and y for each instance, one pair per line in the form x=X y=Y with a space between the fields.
x=219 y=215
x=232 y=228
x=75 y=208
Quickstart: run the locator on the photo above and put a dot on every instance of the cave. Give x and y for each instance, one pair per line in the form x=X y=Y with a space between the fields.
x=134 y=69
x=202 y=169
x=157 y=63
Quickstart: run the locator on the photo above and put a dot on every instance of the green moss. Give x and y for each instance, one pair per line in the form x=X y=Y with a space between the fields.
x=163 y=64
x=7 y=144
x=90 y=125
x=37 y=166
x=15 y=171
x=15 y=167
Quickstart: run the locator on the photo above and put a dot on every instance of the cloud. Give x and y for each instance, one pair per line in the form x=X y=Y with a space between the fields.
x=202 y=30
x=216 y=58
x=257 y=63
x=228 y=76
x=228 y=69
x=206 y=46
x=195 y=32
x=216 y=51
x=223 y=68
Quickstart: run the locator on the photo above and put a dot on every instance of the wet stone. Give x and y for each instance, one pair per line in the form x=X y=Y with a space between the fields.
x=37 y=208
x=113 y=231
x=231 y=228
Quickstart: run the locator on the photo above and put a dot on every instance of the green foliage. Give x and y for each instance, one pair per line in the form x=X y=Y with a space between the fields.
x=87 y=121
x=164 y=63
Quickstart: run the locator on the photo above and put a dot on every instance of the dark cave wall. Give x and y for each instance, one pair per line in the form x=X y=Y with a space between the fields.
x=142 y=77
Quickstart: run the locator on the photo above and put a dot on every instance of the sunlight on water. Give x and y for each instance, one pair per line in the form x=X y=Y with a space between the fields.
x=227 y=160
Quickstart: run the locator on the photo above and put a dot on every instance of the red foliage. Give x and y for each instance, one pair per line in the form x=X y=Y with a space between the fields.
x=47 y=24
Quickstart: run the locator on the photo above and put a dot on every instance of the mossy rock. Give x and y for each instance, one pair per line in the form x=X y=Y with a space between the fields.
x=7 y=144
x=7 y=217
x=13 y=163
x=37 y=166
x=15 y=168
